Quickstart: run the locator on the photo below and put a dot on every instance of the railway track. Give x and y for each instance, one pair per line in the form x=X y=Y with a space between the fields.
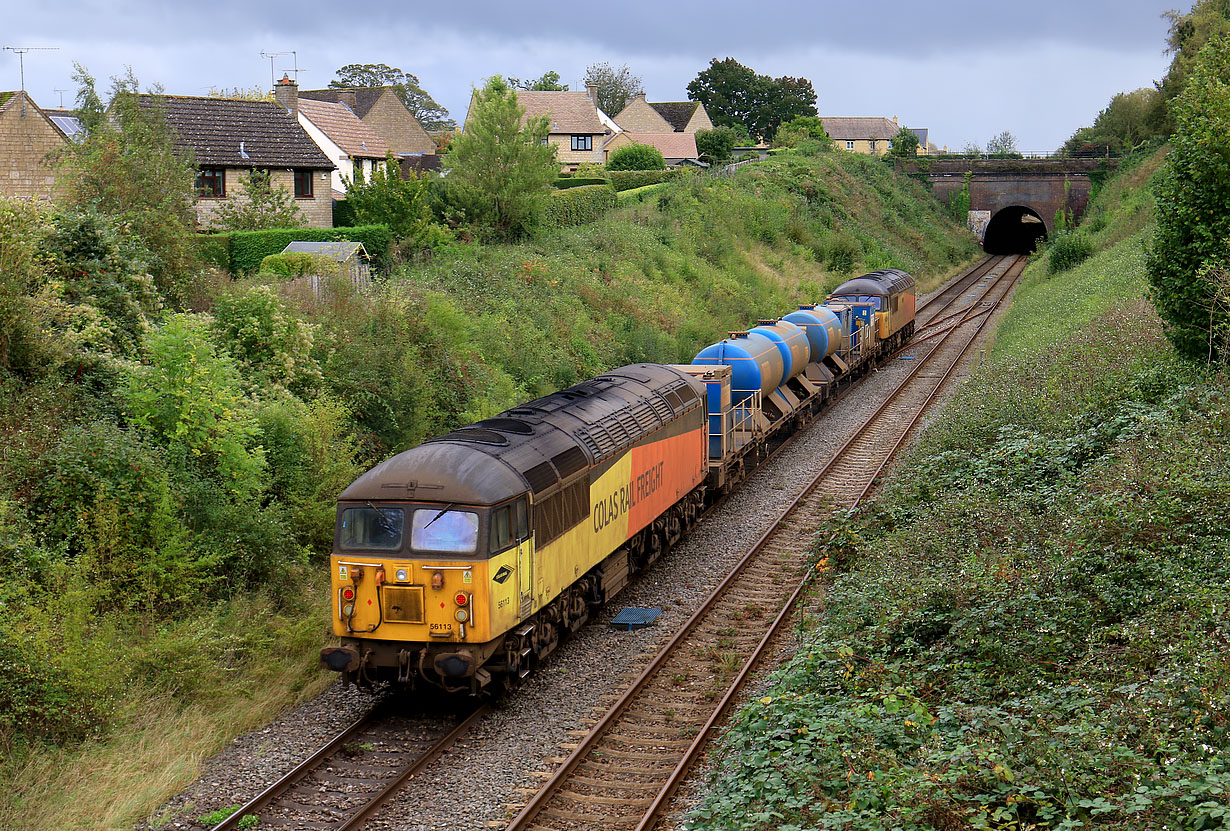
x=624 y=772
x=341 y=785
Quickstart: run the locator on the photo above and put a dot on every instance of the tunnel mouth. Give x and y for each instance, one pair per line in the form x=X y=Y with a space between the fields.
x=1014 y=230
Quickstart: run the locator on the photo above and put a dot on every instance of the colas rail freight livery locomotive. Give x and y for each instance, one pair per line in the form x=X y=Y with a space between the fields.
x=463 y=561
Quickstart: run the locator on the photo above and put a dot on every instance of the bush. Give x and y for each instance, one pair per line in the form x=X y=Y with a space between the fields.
x=565 y=182
x=627 y=197
x=296 y=264
x=576 y=206
x=215 y=249
x=248 y=248
x=629 y=179
x=1066 y=251
x=717 y=143
x=636 y=157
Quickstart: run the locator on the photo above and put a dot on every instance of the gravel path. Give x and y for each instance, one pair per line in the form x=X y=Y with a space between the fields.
x=486 y=776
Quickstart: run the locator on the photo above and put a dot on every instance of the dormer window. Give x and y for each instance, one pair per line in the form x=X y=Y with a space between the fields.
x=583 y=142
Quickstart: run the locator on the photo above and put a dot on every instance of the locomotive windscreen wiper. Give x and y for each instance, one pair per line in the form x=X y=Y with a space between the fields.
x=379 y=512
x=443 y=511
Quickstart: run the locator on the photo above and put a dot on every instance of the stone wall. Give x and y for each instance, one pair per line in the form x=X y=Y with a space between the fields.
x=317 y=210
x=25 y=141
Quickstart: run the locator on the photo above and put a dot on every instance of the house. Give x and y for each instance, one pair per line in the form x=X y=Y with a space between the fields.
x=676 y=148
x=576 y=127
x=641 y=116
x=872 y=136
x=349 y=143
x=381 y=110
x=27 y=136
x=230 y=137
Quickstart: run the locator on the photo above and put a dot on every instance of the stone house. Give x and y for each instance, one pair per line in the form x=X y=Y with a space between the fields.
x=349 y=143
x=230 y=137
x=676 y=148
x=872 y=136
x=576 y=127
x=27 y=136
x=381 y=110
x=641 y=116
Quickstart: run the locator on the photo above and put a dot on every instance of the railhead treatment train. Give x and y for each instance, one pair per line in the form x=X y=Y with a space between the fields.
x=463 y=561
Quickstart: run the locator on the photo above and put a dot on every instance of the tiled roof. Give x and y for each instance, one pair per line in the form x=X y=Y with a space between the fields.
x=226 y=132
x=344 y=129
x=567 y=112
x=676 y=113
x=672 y=145
x=364 y=97
x=848 y=129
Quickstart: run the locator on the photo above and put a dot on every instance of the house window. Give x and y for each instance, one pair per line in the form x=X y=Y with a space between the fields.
x=849 y=145
x=582 y=142
x=890 y=144
x=303 y=184
x=872 y=145
x=211 y=181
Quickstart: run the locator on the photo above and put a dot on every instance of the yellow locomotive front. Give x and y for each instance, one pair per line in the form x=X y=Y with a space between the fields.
x=424 y=587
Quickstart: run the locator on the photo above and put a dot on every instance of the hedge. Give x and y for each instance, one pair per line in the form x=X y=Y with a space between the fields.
x=576 y=206
x=248 y=248
x=580 y=182
x=627 y=197
x=215 y=249
x=629 y=179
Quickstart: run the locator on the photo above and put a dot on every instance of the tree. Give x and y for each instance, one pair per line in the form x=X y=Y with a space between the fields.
x=421 y=105
x=129 y=168
x=1187 y=36
x=401 y=204
x=733 y=94
x=800 y=129
x=1002 y=145
x=636 y=157
x=717 y=144
x=971 y=148
x=616 y=87
x=1193 y=207
x=261 y=206
x=499 y=169
x=1122 y=127
x=905 y=144
x=549 y=82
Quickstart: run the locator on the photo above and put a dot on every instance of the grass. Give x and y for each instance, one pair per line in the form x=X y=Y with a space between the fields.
x=1028 y=630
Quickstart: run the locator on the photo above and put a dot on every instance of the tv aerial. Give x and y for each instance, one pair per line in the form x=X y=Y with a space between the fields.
x=21 y=57
x=273 y=81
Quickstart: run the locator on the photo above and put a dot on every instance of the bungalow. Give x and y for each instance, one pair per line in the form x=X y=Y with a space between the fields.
x=27 y=136
x=641 y=116
x=381 y=110
x=872 y=136
x=230 y=137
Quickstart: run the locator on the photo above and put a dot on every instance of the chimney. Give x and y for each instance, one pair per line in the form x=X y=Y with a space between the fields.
x=592 y=89
x=347 y=97
x=286 y=92
x=894 y=119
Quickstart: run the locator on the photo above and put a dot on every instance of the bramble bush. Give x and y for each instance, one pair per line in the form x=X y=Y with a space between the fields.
x=1066 y=250
x=636 y=157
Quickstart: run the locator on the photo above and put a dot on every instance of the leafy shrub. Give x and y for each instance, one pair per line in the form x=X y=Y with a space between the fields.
x=627 y=197
x=296 y=264
x=248 y=248
x=1067 y=250
x=718 y=143
x=629 y=179
x=635 y=157
x=577 y=206
x=565 y=182
x=215 y=249
x=268 y=340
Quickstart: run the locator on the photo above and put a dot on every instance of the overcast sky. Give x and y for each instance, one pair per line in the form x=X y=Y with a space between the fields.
x=964 y=70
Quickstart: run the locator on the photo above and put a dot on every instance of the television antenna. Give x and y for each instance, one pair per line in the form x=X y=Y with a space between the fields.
x=273 y=81
x=21 y=57
x=61 y=91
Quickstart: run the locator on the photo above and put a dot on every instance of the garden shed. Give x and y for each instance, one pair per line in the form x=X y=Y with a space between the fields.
x=352 y=258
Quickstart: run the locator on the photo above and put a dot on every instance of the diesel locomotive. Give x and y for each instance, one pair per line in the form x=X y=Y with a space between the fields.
x=463 y=561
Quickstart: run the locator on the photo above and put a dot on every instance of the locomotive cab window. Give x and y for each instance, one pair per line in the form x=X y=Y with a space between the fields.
x=445 y=531
x=509 y=524
x=372 y=528
x=874 y=299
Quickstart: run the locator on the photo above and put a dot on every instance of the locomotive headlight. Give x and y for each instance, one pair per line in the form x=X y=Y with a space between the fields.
x=462 y=615
x=402 y=575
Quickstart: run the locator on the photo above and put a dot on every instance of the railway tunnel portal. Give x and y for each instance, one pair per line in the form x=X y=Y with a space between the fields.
x=1014 y=202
